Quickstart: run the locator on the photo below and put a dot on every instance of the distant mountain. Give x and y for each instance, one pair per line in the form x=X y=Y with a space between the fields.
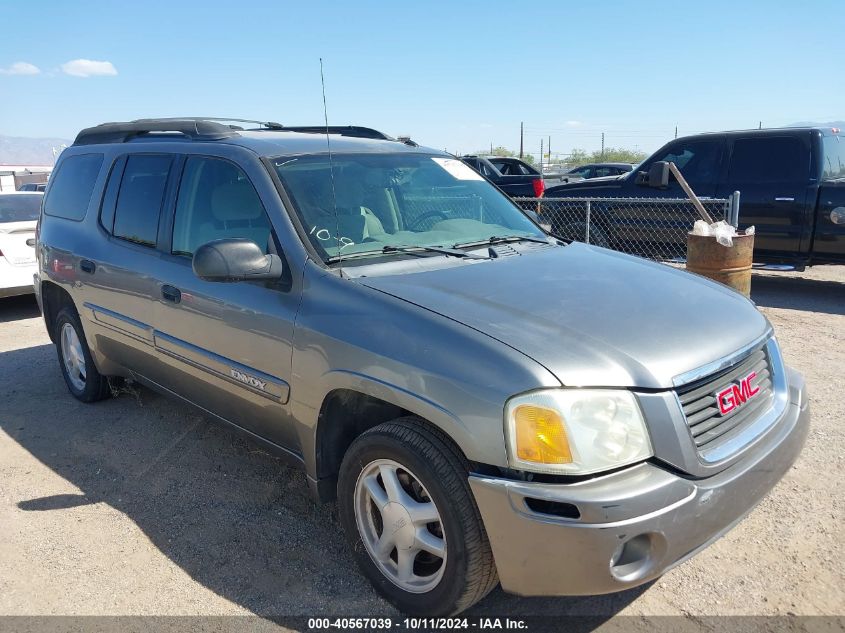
x=18 y=150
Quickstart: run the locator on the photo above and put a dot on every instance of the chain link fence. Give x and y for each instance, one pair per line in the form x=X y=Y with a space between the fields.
x=655 y=228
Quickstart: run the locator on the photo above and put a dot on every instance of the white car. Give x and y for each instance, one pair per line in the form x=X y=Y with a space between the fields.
x=18 y=217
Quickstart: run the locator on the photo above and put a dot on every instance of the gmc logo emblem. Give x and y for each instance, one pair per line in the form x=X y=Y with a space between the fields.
x=737 y=394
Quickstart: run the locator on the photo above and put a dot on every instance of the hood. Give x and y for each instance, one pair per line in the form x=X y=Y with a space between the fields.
x=591 y=316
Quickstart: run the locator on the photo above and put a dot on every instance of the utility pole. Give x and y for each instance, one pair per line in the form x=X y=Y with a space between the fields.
x=549 y=150
x=602 y=145
x=760 y=126
x=541 y=156
x=676 y=131
x=491 y=148
x=520 y=139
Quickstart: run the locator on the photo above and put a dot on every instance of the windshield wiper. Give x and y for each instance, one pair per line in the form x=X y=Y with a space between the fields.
x=501 y=239
x=432 y=249
x=390 y=249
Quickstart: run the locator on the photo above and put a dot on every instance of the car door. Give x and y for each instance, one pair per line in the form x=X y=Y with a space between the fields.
x=115 y=271
x=226 y=347
x=772 y=174
x=829 y=238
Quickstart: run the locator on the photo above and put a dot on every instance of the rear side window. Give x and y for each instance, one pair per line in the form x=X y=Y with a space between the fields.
x=140 y=198
x=770 y=159
x=72 y=186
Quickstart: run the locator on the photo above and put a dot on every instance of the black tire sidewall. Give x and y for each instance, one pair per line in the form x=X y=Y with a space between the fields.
x=441 y=599
x=93 y=381
x=577 y=231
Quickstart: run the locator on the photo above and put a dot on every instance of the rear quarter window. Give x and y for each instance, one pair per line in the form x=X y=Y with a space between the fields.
x=72 y=186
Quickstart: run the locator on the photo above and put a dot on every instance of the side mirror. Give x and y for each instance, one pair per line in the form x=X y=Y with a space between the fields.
x=235 y=259
x=658 y=174
x=656 y=177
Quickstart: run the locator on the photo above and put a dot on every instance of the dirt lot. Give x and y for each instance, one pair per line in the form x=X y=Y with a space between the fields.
x=138 y=505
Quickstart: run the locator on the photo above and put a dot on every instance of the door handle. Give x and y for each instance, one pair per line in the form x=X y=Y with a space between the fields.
x=31 y=242
x=784 y=199
x=87 y=266
x=171 y=293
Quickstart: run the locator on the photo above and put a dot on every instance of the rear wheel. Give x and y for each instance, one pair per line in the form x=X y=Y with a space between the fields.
x=407 y=510
x=81 y=376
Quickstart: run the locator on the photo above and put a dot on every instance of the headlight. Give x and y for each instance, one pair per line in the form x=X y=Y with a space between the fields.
x=575 y=431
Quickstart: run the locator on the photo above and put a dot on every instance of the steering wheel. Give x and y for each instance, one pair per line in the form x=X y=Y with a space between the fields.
x=425 y=216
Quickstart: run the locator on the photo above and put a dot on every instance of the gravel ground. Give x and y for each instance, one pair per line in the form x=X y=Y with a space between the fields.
x=138 y=505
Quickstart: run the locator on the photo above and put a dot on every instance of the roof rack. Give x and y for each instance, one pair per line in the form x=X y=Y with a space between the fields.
x=343 y=130
x=196 y=129
x=213 y=129
x=270 y=125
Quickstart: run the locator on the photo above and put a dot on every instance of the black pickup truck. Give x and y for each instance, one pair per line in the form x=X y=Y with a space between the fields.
x=791 y=183
x=514 y=177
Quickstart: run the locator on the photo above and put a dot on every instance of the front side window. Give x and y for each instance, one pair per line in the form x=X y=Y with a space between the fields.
x=216 y=201
x=360 y=203
x=73 y=185
x=834 y=158
x=698 y=161
x=140 y=197
x=769 y=159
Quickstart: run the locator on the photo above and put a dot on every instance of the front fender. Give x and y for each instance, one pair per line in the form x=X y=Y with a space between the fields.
x=349 y=336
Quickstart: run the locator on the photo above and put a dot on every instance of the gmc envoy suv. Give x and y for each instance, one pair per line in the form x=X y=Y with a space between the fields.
x=486 y=402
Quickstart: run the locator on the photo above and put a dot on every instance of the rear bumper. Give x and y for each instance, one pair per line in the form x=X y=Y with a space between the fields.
x=634 y=524
x=15 y=280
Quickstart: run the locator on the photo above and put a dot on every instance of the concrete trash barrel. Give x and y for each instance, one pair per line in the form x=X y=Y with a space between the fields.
x=730 y=265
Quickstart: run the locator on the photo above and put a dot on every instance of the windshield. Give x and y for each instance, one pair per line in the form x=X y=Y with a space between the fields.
x=401 y=199
x=20 y=207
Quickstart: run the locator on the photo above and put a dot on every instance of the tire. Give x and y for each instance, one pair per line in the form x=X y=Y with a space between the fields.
x=431 y=471
x=578 y=231
x=81 y=376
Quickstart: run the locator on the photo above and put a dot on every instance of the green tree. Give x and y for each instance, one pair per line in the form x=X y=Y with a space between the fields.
x=503 y=151
x=610 y=155
x=578 y=157
x=619 y=155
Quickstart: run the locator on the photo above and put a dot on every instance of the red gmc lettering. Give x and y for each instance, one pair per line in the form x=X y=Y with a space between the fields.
x=731 y=397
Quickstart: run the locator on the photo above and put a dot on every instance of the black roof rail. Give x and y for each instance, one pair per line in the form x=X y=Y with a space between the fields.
x=270 y=125
x=343 y=130
x=195 y=129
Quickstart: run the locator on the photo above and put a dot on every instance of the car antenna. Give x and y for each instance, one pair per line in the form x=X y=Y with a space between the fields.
x=331 y=172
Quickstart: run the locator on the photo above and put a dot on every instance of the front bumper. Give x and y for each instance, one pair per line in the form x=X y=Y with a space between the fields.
x=632 y=525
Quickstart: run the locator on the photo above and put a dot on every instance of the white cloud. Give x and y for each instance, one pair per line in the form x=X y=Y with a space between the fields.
x=21 y=68
x=88 y=68
x=574 y=124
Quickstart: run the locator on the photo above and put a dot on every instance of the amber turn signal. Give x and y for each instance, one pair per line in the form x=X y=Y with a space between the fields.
x=541 y=435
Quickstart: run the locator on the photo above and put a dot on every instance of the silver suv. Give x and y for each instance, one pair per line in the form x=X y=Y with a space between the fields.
x=486 y=402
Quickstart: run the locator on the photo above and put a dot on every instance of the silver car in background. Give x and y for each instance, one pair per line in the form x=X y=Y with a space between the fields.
x=18 y=218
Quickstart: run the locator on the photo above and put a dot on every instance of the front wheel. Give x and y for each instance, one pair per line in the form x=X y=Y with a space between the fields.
x=578 y=231
x=407 y=510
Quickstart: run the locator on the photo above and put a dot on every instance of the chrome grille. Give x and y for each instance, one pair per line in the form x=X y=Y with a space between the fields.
x=698 y=399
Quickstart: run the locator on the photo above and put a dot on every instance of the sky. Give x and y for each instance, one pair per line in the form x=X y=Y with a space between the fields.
x=454 y=75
